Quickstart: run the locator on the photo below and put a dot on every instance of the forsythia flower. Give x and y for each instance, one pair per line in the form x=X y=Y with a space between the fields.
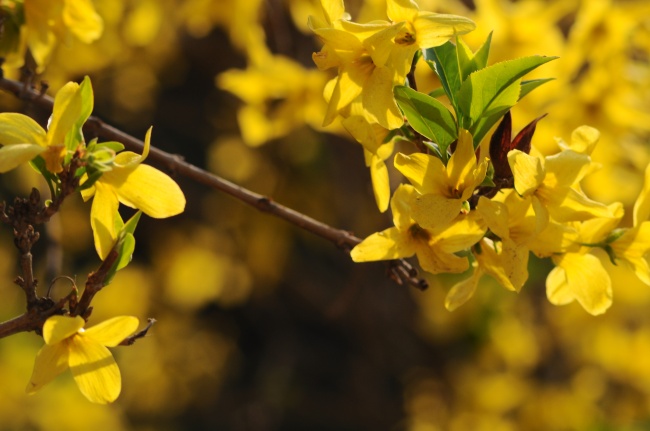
x=69 y=345
x=551 y=184
x=376 y=151
x=434 y=248
x=134 y=185
x=24 y=139
x=372 y=58
x=444 y=189
x=49 y=20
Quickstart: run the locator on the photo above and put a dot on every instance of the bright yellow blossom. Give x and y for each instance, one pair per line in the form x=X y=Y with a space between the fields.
x=24 y=139
x=443 y=188
x=376 y=151
x=47 y=21
x=434 y=248
x=134 y=185
x=552 y=185
x=69 y=345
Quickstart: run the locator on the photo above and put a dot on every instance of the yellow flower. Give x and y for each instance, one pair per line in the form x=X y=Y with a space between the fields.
x=134 y=185
x=360 y=73
x=553 y=185
x=376 y=151
x=434 y=248
x=49 y=20
x=443 y=189
x=69 y=345
x=421 y=30
x=24 y=139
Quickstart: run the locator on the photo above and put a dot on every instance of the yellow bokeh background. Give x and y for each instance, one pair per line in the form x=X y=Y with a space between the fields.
x=262 y=326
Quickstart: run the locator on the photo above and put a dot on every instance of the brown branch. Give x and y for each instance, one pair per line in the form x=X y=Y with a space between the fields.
x=341 y=238
x=140 y=334
x=95 y=282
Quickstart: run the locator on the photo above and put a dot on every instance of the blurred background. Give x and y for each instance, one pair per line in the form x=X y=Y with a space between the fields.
x=262 y=326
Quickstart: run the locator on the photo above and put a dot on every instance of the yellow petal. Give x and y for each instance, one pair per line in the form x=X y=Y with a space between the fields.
x=12 y=156
x=378 y=98
x=434 y=29
x=425 y=172
x=401 y=204
x=50 y=362
x=509 y=266
x=380 y=183
x=386 y=245
x=580 y=277
x=464 y=232
x=20 y=129
x=94 y=370
x=113 y=331
x=566 y=168
x=82 y=20
x=495 y=215
x=58 y=328
x=434 y=260
x=435 y=211
x=147 y=189
x=66 y=111
x=567 y=204
x=102 y=218
x=129 y=159
x=642 y=204
x=401 y=10
x=462 y=162
x=527 y=171
x=583 y=140
x=461 y=292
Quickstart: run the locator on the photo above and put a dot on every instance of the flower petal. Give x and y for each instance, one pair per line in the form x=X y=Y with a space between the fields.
x=434 y=29
x=94 y=370
x=386 y=245
x=425 y=172
x=583 y=278
x=58 y=328
x=380 y=182
x=435 y=211
x=66 y=112
x=527 y=170
x=82 y=20
x=50 y=362
x=20 y=129
x=12 y=156
x=102 y=218
x=113 y=331
x=462 y=291
x=147 y=189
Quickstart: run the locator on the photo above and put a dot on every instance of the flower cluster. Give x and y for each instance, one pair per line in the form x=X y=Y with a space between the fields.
x=371 y=59
x=109 y=175
x=461 y=208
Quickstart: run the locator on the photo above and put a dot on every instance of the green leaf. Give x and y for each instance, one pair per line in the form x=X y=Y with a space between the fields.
x=437 y=92
x=498 y=108
x=482 y=54
x=528 y=86
x=427 y=116
x=126 y=251
x=91 y=180
x=38 y=164
x=444 y=61
x=132 y=223
x=482 y=89
x=111 y=145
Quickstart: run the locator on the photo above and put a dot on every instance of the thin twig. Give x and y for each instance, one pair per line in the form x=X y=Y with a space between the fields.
x=140 y=334
x=341 y=238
